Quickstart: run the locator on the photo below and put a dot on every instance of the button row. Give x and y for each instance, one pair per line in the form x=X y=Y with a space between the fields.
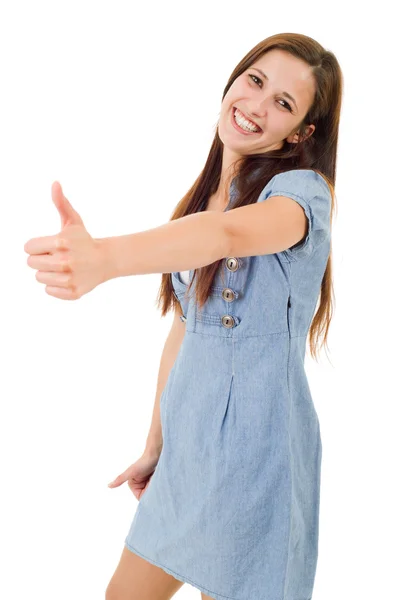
x=232 y=264
x=228 y=321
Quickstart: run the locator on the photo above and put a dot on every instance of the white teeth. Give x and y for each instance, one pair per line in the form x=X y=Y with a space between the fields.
x=244 y=123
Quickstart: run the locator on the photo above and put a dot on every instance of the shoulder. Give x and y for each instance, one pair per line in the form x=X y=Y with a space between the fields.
x=307 y=187
x=305 y=182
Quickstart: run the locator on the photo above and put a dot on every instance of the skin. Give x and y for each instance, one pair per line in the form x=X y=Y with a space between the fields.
x=263 y=103
x=137 y=579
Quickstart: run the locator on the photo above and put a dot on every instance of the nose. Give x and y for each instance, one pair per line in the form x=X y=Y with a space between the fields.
x=257 y=112
x=258 y=109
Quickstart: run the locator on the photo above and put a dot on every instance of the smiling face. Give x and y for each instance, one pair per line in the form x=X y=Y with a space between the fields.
x=260 y=94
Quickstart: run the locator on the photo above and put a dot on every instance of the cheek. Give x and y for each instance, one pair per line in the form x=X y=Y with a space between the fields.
x=228 y=101
x=235 y=93
x=279 y=124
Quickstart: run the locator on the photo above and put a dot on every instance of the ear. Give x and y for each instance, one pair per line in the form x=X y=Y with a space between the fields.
x=293 y=138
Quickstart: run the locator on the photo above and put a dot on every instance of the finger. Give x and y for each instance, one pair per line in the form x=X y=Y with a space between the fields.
x=114 y=483
x=50 y=262
x=63 y=294
x=41 y=245
x=120 y=479
x=69 y=216
x=55 y=279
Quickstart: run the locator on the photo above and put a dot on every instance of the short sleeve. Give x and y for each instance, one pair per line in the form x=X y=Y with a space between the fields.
x=310 y=190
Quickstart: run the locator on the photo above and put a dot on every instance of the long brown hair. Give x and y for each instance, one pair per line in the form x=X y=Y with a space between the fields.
x=317 y=151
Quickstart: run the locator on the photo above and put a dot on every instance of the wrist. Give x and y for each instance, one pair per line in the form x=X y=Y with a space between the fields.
x=108 y=263
x=153 y=450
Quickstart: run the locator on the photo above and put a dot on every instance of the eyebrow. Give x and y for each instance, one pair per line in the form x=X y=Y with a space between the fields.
x=286 y=94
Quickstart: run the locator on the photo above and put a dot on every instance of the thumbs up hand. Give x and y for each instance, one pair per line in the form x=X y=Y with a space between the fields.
x=70 y=263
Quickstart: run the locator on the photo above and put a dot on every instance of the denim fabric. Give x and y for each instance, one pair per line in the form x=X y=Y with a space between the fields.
x=233 y=505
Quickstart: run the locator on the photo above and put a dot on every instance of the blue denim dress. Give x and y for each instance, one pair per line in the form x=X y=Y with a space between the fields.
x=233 y=505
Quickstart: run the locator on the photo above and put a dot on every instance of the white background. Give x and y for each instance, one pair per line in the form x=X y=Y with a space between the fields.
x=78 y=379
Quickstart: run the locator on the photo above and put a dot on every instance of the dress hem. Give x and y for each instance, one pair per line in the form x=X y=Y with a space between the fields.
x=200 y=587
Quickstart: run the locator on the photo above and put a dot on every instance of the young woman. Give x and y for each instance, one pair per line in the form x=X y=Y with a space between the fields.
x=229 y=482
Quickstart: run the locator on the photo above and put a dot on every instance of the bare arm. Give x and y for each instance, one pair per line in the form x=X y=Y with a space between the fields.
x=199 y=239
x=171 y=348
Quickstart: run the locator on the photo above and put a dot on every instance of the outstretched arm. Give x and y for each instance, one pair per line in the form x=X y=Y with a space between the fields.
x=202 y=238
x=72 y=263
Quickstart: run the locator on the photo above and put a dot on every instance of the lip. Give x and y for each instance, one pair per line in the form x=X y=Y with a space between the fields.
x=237 y=126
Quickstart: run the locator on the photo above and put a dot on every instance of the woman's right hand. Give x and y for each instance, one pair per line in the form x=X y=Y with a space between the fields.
x=138 y=475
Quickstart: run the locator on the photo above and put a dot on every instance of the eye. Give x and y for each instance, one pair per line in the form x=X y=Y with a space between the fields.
x=285 y=104
x=253 y=77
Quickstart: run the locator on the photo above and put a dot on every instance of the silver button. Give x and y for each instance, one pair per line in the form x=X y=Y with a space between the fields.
x=232 y=263
x=228 y=294
x=228 y=321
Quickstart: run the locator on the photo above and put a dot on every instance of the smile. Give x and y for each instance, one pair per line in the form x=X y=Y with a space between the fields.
x=243 y=125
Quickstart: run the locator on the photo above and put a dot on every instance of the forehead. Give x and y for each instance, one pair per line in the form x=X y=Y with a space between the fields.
x=287 y=72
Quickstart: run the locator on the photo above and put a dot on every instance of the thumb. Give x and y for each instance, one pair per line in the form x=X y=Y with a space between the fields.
x=68 y=214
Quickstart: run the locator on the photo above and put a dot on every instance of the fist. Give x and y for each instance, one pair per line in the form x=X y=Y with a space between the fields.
x=70 y=263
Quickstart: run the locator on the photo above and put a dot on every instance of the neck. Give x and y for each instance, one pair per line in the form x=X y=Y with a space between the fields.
x=230 y=167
